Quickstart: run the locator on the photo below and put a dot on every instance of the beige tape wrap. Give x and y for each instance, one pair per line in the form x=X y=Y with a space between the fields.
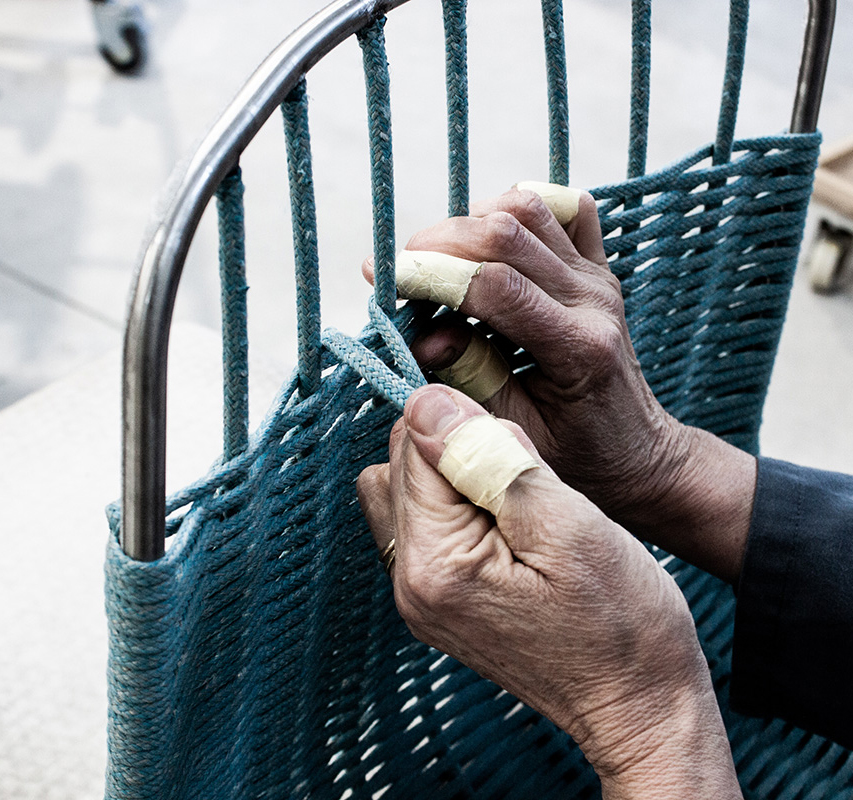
x=480 y=372
x=423 y=275
x=481 y=459
x=562 y=200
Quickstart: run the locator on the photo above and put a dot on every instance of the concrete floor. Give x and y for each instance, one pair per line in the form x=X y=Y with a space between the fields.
x=84 y=154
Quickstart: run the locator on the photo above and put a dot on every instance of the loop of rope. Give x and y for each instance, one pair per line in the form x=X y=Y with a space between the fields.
x=738 y=24
x=378 y=85
x=235 y=340
x=456 y=70
x=397 y=346
x=304 y=222
x=558 y=93
x=366 y=363
x=641 y=35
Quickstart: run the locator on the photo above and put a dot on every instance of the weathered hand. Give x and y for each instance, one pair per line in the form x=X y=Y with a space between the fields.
x=586 y=405
x=554 y=602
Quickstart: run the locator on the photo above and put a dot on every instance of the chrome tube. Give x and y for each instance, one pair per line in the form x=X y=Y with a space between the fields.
x=146 y=340
x=813 y=62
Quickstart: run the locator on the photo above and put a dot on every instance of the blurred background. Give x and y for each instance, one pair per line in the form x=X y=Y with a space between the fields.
x=84 y=155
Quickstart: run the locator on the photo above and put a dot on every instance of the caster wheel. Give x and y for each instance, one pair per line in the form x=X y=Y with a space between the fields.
x=120 y=26
x=131 y=58
x=827 y=256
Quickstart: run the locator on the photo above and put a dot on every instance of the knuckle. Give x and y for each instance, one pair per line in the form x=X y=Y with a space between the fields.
x=586 y=203
x=529 y=208
x=503 y=235
x=507 y=288
x=421 y=596
x=613 y=283
x=604 y=343
x=398 y=434
x=418 y=241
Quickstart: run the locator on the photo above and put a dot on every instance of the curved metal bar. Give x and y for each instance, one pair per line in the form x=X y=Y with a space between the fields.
x=147 y=332
x=818 y=38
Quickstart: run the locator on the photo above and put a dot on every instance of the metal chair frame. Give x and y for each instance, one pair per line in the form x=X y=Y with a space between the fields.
x=147 y=331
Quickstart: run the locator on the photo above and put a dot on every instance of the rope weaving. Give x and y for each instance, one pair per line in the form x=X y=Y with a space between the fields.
x=263 y=657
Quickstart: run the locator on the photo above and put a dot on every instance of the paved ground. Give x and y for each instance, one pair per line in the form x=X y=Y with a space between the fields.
x=84 y=153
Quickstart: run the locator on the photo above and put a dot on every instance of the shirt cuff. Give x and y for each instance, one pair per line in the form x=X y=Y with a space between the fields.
x=793 y=635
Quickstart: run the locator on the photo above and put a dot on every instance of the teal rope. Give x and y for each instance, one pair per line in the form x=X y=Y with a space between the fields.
x=304 y=223
x=235 y=340
x=738 y=24
x=378 y=84
x=641 y=35
x=456 y=70
x=558 y=93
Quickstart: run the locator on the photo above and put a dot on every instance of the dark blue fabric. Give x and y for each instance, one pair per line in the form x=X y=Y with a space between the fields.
x=793 y=641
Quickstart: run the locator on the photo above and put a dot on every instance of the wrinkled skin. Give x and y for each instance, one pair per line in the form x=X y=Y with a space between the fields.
x=586 y=405
x=555 y=600
x=556 y=603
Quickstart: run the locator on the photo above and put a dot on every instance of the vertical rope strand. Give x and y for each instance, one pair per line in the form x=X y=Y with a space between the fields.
x=378 y=84
x=738 y=24
x=456 y=70
x=558 y=90
x=235 y=339
x=641 y=48
x=304 y=221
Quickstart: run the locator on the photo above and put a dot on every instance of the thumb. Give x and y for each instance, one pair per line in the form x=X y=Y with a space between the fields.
x=491 y=462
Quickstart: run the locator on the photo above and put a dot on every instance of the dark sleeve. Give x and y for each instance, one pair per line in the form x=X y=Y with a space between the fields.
x=793 y=639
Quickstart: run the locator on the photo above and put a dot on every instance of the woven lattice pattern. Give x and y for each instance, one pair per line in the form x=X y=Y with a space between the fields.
x=263 y=657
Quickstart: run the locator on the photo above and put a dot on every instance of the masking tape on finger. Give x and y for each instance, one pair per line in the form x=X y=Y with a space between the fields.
x=562 y=201
x=424 y=275
x=480 y=372
x=481 y=459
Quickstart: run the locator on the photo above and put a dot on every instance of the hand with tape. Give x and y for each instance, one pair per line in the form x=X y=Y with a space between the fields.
x=531 y=264
x=547 y=597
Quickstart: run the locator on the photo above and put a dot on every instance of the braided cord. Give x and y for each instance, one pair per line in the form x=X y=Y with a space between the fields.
x=558 y=92
x=235 y=340
x=304 y=221
x=641 y=36
x=456 y=70
x=738 y=24
x=378 y=85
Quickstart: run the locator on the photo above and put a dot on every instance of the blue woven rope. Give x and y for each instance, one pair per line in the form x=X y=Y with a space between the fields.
x=558 y=92
x=456 y=70
x=263 y=657
x=738 y=25
x=270 y=626
x=304 y=223
x=378 y=84
x=235 y=340
x=641 y=47
x=396 y=344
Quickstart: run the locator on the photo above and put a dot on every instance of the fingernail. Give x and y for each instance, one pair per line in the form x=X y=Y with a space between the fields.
x=445 y=357
x=432 y=412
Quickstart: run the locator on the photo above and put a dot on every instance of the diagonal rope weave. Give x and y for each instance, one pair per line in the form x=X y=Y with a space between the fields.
x=262 y=656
